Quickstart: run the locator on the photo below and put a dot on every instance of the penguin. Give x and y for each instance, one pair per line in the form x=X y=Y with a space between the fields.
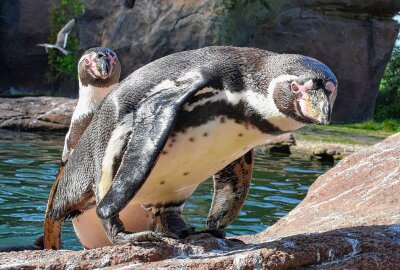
x=178 y=120
x=99 y=72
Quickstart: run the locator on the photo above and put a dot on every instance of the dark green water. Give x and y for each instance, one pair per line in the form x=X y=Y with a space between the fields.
x=28 y=165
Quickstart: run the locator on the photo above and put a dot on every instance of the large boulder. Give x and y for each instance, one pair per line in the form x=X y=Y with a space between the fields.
x=355 y=38
x=362 y=190
x=349 y=220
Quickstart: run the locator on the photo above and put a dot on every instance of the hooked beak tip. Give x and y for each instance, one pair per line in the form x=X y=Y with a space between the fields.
x=105 y=68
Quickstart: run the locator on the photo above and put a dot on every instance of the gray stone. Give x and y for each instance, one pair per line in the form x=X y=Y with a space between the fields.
x=36 y=113
x=355 y=38
x=23 y=24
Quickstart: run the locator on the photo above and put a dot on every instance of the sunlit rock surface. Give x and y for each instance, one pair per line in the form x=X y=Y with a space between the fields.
x=36 y=113
x=361 y=190
x=349 y=220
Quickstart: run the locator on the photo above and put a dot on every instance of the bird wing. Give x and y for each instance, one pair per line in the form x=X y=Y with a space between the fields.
x=52 y=46
x=62 y=35
x=151 y=126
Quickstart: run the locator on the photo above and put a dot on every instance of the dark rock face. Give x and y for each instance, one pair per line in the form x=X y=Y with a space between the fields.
x=355 y=38
x=349 y=220
x=23 y=24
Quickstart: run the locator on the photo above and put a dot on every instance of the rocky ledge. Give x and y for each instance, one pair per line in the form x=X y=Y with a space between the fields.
x=350 y=219
x=36 y=113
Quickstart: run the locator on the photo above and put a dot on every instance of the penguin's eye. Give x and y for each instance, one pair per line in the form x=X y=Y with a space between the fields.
x=87 y=61
x=294 y=86
x=100 y=55
x=318 y=84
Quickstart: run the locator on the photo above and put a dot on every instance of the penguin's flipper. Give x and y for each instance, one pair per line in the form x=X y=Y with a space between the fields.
x=152 y=122
x=231 y=186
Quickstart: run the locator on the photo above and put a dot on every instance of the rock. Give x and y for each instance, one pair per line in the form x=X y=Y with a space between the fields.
x=23 y=24
x=361 y=190
x=327 y=155
x=36 y=113
x=280 y=145
x=349 y=220
x=355 y=38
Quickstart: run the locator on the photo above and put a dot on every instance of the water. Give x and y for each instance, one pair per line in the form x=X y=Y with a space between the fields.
x=29 y=162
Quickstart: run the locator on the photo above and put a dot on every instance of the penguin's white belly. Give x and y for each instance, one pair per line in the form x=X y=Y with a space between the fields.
x=187 y=159
x=191 y=157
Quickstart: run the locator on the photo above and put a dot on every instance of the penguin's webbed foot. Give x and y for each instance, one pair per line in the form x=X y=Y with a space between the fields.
x=173 y=225
x=145 y=236
x=116 y=233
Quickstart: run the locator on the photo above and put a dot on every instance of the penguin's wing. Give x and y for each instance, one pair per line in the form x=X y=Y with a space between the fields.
x=151 y=126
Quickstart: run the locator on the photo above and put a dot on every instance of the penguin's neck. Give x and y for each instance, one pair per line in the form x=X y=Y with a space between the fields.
x=89 y=99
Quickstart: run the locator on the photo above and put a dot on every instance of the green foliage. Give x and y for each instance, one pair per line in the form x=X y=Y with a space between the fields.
x=391 y=125
x=61 y=65
x=387 y=125
x=388 y=100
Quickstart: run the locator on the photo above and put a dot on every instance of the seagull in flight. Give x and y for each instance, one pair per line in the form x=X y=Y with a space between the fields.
x=62 y=37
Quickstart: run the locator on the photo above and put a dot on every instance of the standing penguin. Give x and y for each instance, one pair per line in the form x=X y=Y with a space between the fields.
x=180 y=119
x=99 y=72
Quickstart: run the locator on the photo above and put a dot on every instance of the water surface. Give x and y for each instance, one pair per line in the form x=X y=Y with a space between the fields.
x=29 y=162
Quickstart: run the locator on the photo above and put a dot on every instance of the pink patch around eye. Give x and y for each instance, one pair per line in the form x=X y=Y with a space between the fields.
x=330 y=87
x=112 y=59
x=87 y=61
x=295 y=87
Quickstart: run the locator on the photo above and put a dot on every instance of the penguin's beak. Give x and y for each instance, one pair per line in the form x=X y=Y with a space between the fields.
x=315 y=105
x=105 y=68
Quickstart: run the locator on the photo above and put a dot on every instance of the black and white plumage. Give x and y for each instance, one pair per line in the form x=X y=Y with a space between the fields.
x=62 y=38
x=180 y=119
x=99 y=72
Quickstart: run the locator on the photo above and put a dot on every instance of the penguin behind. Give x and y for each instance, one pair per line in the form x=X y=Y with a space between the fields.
x=180 y=119
x=99 y=72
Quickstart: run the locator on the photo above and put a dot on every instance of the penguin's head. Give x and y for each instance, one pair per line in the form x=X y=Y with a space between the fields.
x=99 y=67
x=304 y=89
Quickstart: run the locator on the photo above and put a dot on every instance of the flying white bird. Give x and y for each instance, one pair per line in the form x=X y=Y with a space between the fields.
x=62 y=37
